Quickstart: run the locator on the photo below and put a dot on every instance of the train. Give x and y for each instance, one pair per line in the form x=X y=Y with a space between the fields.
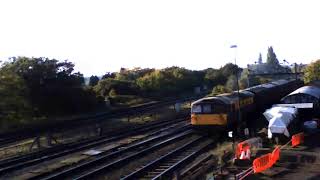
x=231 y=110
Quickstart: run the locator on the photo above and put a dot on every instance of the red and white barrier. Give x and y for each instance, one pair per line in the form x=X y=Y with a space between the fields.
x=266 y=161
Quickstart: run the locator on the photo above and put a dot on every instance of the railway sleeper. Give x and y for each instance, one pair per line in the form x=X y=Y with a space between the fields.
x=163 y=166
x=161 y=169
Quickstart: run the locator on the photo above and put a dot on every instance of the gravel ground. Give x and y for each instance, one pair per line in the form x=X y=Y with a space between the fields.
x=72 y=159
x=117 y=174
x=296 y=163
x=110 y=125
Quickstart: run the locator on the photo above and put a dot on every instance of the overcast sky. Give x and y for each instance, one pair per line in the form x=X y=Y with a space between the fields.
x=101 y=36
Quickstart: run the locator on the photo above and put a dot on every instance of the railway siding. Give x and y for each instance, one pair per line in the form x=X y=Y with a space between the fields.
x=162 y=130
x=103 y=164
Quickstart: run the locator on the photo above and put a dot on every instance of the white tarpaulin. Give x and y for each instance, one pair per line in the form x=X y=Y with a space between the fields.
x=279 y=119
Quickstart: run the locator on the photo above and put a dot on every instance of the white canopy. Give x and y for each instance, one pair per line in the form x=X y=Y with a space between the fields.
x=279 y=119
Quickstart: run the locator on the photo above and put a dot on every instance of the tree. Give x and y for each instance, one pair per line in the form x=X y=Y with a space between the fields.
x=93 y=80
x=231 y=84
x=52 y=86
x=169 y=81
x=14 y=106
x=312 y=71
x=271 y=57
x=112 y=93
x=244 y=79
x=219 y=89
x=230 y=69
x=104 y=86
x=109 y=75
x=214 y=77
x=132 y=74
x=260 y=59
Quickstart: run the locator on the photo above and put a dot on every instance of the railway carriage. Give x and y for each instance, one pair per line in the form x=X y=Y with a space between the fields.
x=222 y=112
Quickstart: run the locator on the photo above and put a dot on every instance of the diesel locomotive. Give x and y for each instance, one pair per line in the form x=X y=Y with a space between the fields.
x=223 y=112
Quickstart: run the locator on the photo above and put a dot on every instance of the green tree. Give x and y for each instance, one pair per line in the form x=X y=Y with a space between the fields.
x=243 y=82
x=169 y=81
x=132 y=74
x=230 y=69
x=312 y=71
x=219 y=89
x=112 y=93
x=52 y=86
x=214 y=77
x=109 y=75
x=260 y=59
x=104 y=86
x=272 y=57
x=14 y=107
x=231 y=84
x=93 y=80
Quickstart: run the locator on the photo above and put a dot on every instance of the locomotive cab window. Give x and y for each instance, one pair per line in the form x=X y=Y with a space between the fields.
x=206 y=108
x=196 y=109
x=217 y=108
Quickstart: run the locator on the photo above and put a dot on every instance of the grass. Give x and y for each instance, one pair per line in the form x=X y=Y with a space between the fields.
x=129 y=100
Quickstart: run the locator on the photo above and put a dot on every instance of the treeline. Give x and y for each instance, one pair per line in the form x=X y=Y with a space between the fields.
x=171 y=81
x=41 y=88
x=161 y=83
x=37 y=88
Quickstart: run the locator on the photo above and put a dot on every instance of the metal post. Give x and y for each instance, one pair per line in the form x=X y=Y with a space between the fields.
x=295 y=70
x=238 y=93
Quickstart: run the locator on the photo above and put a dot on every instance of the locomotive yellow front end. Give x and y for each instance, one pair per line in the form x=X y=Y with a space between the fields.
x=208 y=114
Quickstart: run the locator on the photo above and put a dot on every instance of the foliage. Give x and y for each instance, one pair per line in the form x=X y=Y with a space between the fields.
x=104 y=87
x=14 y=107
x=272 y=57
x=109 y=75
x=132 y=75
x=51 y=87
x=220 y=76
x=112 y=93
x=93 y=80
x=219 y=89
x=214 y=77
x=229 y=69
x=312 y=71
x=168 y=81
x=231 y=84
x=260 y=59
x=243 y=82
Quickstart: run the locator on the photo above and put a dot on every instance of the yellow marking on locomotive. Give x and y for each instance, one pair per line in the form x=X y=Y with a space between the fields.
x=209 y=119
x=244 y=102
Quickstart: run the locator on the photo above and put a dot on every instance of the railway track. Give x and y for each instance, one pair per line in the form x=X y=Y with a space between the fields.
x=19 y=162
x=110 y=161
x=166 y=165
x=59 y=126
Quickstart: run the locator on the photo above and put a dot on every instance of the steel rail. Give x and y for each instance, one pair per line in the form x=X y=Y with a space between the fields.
x=34 y=158
x=121 y=134
x=14 y=136
x=182 y=162
x=100 y=169
x=189 y=149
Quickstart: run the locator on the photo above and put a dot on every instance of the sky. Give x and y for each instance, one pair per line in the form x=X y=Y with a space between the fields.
x=101 y=36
